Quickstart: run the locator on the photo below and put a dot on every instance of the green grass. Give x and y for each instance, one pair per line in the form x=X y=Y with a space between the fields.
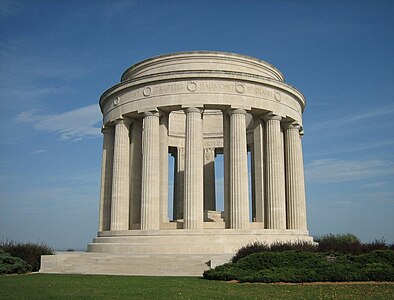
x=45 y=286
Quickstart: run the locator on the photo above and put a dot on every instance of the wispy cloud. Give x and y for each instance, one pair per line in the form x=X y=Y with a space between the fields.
x=75 y=124
x=334 y=171
x=357 y=116
x=38 y=151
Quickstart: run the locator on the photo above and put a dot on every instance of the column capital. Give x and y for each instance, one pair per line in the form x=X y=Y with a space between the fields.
x=107 y=129
x=271 y=116
x=236 y=111
x=153 y=113
x=123 y=120
x=192 y=110
x=292 y=125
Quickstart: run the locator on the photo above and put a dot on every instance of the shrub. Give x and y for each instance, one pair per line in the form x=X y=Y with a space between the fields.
x=344 y=243
x=307 y=266
x=250 y=248
x=340 y=257
x=299 y=245
x=257 y=247
x=29 y=252
x=11 y=265
x=375 y=245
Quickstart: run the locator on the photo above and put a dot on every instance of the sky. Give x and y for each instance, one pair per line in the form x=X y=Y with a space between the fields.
x=58 y=57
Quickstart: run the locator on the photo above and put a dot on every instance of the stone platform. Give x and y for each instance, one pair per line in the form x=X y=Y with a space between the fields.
x=162 y=252
x=127 y=264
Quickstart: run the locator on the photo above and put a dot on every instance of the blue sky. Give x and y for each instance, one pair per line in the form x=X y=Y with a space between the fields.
x=58 y=57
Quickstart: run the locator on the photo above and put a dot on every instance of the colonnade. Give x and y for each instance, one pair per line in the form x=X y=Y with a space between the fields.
x=134 y=179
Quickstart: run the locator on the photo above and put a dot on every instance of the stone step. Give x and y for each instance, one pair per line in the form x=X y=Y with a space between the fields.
x=120 y=264
x=138 y=248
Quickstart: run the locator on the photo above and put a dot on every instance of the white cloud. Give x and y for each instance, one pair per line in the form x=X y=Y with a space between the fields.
x=38 y=151
x=334 y=171
x=75 y=124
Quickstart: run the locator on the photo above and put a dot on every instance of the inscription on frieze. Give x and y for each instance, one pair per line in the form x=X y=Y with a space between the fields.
x=216 y=86
x=168 y=88
x=203 y=86
x=260 y=91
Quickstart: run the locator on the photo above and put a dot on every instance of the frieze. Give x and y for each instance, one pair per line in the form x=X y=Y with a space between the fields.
x=203 y=86
x=206 y=86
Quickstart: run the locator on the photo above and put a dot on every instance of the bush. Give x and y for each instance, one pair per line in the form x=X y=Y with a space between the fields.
x=299 y=245
x=344 y=243
x=375 y=245
x=257 y=247
x=29 y=252
x=11 y=265
x=340 y=257
x=307 y=266
x=250 y=248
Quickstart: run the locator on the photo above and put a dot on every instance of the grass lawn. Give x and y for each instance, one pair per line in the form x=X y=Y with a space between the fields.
x=46 y=286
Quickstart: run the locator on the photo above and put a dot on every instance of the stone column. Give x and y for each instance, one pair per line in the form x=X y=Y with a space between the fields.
x=276 y=208
x=209 y=179
x=239 y=195
x=194 y=185
x=226 y=168
x=150 y=189
x=258 y=170
x=295 y=188
x=179 y=181
x=163 y=128
x=120 y=177
x=106 y=178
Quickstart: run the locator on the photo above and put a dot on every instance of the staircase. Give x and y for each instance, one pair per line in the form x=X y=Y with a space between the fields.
x=124 y=264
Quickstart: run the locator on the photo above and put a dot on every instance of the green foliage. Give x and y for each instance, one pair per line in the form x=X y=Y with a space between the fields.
x=307 y=266
x=257 y=246
x=12 y=265
x=249 y=249
x=345 y=243
x=29 y=252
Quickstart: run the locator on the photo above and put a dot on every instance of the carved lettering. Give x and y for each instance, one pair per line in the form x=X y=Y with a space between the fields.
x=217 y=86
x=136 y=93
x=259 y=91
x=168 y=88
x=205 y=86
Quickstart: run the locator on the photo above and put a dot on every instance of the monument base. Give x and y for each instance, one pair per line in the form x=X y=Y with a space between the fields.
x=174 y=252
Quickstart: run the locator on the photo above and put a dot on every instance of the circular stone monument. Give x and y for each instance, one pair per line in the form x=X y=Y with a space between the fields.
x=195 y=106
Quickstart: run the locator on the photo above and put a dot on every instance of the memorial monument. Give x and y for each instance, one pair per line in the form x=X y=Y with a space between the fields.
x=195 y=106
